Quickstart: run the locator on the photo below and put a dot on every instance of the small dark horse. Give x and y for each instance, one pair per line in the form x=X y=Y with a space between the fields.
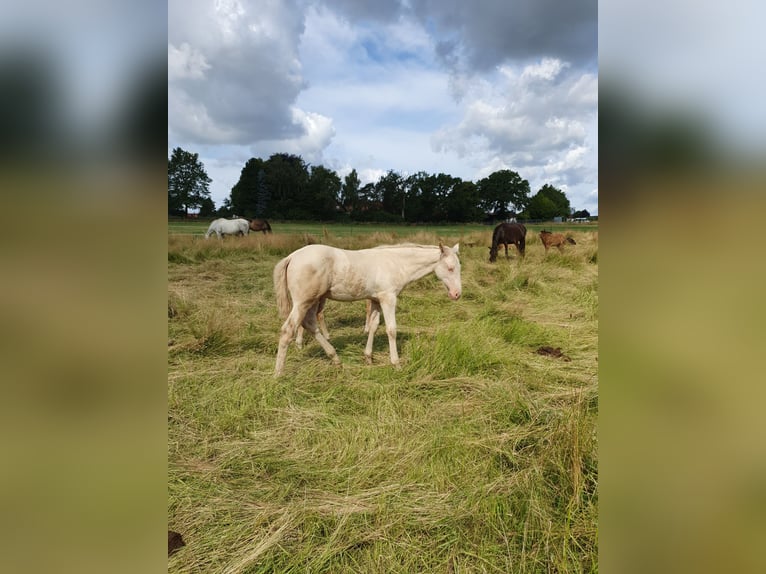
x=508 y=233
x=260 y=225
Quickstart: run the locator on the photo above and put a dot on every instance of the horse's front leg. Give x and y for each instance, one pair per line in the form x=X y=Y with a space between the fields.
x=367 y=316
x=373 y=320
x=388 y=306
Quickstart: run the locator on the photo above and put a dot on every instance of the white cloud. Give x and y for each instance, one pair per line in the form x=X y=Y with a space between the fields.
x=189 y=119
x=547 y=70
x=584 y=92
x=252 y=73
x=370 y=175
x=372 y=86
x=186 y=62
x=317 y=132
x=533 y=120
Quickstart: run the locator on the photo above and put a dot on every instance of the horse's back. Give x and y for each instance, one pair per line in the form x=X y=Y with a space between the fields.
x=315 y=257
x=516 y=229
x=259 y=225
x=510 y=231
x=346 y=275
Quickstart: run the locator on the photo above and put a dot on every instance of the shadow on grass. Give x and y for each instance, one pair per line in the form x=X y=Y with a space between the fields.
x=346 y=345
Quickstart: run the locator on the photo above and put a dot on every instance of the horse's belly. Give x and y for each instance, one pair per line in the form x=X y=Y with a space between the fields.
x=344 y=295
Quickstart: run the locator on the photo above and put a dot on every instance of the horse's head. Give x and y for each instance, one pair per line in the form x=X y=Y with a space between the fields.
x=448 y=270
x=493 y=254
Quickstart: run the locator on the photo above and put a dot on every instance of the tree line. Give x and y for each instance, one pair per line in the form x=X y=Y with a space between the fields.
x=286 y=187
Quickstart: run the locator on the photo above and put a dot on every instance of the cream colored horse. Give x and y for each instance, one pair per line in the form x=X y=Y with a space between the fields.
x=315 y=273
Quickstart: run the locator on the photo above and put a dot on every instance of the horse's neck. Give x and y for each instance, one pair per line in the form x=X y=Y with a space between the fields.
x=418 y=262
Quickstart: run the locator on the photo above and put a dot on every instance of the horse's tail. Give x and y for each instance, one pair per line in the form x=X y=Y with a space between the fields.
x=280 y=287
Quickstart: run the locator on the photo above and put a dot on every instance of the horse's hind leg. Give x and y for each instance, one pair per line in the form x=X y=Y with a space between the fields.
x=287 y=333
x=311 y=325
x=322 y=326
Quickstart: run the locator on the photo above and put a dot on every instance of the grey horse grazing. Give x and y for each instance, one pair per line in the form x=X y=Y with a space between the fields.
x=223 y=227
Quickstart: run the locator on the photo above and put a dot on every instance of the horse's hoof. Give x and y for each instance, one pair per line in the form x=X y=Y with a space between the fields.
x=368 y=359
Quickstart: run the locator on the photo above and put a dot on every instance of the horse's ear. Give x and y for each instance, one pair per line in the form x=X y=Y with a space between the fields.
x=441 y=247
x=456 y=248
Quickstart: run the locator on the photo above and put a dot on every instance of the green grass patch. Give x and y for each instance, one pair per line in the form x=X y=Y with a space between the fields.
x=477 y=455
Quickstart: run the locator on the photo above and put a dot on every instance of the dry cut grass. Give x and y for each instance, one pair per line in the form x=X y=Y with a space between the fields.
x=478 y=455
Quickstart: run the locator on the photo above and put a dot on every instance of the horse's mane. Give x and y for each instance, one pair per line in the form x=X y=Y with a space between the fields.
x=405 y=245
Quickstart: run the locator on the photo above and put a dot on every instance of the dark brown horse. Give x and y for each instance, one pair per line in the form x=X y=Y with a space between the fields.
x=260 y=225
x=508 y=233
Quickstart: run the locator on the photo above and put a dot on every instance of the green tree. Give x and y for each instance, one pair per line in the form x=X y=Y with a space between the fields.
x=226 y=210
x=244 y=197
x=581 y=213
x=429 y=196
x=541 y=207
x=349 y=195
x=390 y=187
x=188 y=183
x=262 y=195
x=547 y=203
x=418 y=198
x=501 y=191
x=287 y=178
x=324 y=192
x=207 y=207
x=463 y=202
x=369 y=202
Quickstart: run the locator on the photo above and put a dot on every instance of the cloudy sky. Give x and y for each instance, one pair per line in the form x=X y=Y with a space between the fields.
x=463 y=88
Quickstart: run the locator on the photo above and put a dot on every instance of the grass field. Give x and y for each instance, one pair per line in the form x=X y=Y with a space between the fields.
x=478 y=455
